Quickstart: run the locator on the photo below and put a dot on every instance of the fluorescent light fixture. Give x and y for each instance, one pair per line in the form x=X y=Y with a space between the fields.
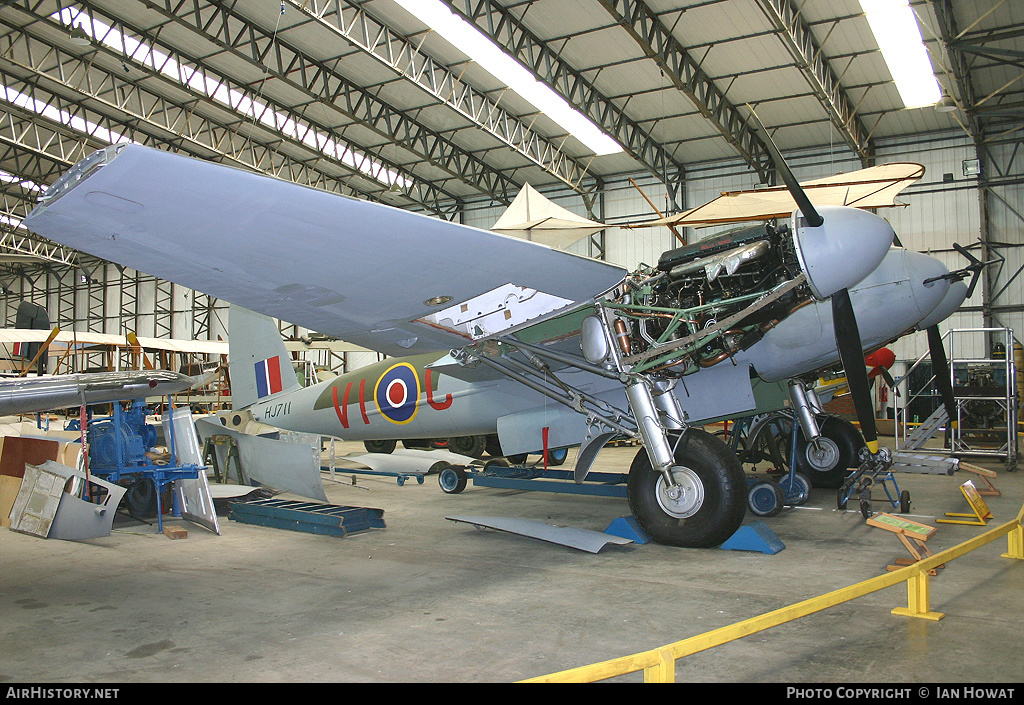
x=895 y=28
x=216 y=88
x=478 y=47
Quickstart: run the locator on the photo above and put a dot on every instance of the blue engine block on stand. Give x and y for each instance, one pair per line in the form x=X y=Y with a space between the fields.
x=117 y=447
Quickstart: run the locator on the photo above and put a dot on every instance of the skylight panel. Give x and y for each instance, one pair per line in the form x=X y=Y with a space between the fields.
x=895 y=28
x=469 y=40
x=203 y=81
x=64 y=117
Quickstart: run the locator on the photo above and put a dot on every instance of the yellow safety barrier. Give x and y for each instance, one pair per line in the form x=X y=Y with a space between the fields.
x=659 y=665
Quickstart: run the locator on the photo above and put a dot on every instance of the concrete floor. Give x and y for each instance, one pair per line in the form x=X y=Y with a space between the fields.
x=430 y=600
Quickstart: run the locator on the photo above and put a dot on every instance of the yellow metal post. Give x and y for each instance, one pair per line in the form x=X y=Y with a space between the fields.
x=1015 y=543
x=918 y=599
x=664 y=671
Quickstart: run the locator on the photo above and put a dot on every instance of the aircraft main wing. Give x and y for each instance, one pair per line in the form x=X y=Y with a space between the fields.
x=380 y=277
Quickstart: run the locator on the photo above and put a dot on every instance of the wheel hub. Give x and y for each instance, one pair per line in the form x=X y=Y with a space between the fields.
x=823 y=454
x=685 y=497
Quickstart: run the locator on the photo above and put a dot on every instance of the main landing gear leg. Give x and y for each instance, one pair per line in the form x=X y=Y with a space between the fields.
x=685 y=487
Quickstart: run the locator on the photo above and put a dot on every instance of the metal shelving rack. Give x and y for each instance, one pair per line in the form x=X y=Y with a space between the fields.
x=999 y=394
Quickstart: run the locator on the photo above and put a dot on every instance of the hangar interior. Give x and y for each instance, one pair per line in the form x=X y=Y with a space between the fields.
x=369 y=100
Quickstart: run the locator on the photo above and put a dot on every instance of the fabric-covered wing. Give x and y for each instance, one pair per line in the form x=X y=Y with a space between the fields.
x=367 y=273
x=874 y=187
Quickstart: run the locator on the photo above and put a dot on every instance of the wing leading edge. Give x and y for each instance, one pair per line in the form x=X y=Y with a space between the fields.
x=367 y=273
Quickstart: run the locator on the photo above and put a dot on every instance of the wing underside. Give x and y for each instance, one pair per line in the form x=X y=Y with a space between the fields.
x=381 y=277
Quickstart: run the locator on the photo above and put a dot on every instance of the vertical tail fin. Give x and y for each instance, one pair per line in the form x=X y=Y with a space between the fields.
x=258 y=362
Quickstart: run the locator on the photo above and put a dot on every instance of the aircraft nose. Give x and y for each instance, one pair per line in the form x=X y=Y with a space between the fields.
x=921 y=267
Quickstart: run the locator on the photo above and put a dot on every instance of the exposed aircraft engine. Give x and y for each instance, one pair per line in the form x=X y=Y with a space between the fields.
x=706 y=301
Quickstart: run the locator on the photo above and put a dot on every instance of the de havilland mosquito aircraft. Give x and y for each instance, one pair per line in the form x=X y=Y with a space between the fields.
x=492 y=334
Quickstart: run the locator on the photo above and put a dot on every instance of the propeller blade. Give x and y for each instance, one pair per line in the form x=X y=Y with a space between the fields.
x=889 y=381
x=975 y=267
x=810 y=213
x=851 y=354
x=940 y=368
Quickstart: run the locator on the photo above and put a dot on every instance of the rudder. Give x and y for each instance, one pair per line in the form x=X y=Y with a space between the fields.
x=258 y=362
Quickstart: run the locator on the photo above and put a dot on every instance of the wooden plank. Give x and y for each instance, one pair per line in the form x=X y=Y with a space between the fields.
x=898 y=525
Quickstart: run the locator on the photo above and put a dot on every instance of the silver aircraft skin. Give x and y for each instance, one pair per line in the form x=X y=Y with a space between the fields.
x=496 y=347
x=26 y=395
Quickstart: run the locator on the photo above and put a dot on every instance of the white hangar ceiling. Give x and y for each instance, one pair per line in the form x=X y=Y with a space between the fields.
x=361 y=98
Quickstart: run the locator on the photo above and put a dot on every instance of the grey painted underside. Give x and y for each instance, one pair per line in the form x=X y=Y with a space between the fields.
x=345 y=267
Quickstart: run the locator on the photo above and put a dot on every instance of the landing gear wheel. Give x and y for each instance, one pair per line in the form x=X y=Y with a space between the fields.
x=828 y=463
x=557 y=456
x=516 y=459
x=706 y=504
x=905 y=502
x=765 y=498
x=380 y=446
x=472 y=446
x=452 y=480
x=797 y=488
x=141 y=499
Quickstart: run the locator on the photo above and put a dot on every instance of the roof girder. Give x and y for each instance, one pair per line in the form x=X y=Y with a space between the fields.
x=250 y=42
x=400 y=55
x=803 y=47
x=546 y=64
x=658 y=42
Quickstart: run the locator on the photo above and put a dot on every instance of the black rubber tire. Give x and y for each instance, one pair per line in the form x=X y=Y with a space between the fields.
x=380 y=446
x=472 y=446
x=452 y=479
x=517 y=459
x=140 y=499
x=719 y=473
x=493 y=446
x=765 y=498
x=905 y=502
x=557 y=456
x=799 y=488
x=865 y=508
x=844 y=443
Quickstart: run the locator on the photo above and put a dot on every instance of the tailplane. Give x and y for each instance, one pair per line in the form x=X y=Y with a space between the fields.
x=259 y=364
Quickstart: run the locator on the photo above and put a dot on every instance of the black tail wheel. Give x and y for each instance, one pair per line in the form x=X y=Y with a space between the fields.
x=828 y=463
x=711 y=504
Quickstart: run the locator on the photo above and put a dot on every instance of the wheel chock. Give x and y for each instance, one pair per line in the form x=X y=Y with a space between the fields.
x=628 y=528
x=754 y=537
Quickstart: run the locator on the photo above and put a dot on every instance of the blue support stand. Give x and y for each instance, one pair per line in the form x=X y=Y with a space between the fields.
x=754 y=537
x=628 y=528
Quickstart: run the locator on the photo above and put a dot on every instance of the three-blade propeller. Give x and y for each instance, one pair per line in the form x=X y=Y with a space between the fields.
x=844 y=321
x=973 y=269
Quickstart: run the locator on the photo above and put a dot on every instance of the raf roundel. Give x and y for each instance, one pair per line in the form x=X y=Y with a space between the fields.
x=396 y=393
